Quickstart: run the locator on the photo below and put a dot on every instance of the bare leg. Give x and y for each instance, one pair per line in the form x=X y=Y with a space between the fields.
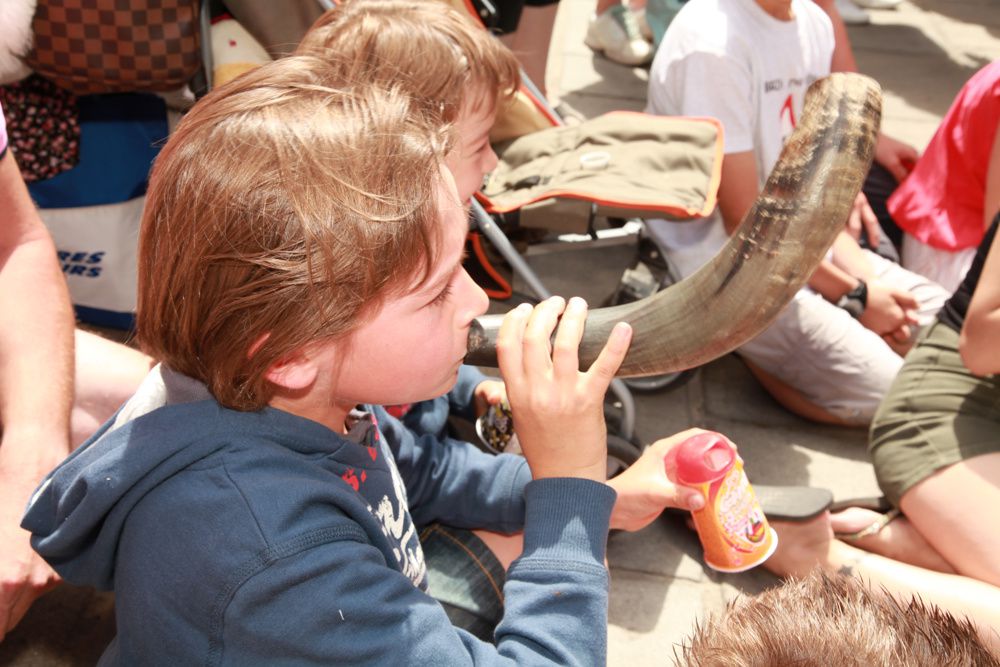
x=792 y=399
x=530 y=42
x=804 y=546
x=955 y=510
x=899 y=539
x=107 y=374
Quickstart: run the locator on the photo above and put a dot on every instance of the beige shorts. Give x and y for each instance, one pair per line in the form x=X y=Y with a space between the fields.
x=813 y=346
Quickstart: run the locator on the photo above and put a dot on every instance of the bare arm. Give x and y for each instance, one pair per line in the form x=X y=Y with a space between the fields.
x=977 y=344
x=36 y=383
x=991 y=198
x=892 y=154
x=843 y=55
x=982 y=321
x=737 y=191
x=889 y=311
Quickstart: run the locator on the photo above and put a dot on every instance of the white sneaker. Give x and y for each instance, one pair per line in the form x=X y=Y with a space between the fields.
x=616 y=34
x=878 y=4
x=851 y=13
x=640 y=19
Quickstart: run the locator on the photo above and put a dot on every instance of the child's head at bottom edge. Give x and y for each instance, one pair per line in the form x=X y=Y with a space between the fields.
x=832 y=620
x=298 y=235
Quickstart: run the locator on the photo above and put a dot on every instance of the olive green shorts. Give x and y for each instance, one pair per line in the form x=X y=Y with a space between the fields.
x=935 y=414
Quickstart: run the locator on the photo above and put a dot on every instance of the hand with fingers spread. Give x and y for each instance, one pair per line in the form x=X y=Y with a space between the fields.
x=646 y=488
x=559 y=408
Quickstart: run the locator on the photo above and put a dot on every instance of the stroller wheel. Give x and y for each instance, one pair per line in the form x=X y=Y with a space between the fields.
x=621 y=454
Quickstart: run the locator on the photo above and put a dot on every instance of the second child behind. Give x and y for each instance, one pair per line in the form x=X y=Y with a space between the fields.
x=305 y=239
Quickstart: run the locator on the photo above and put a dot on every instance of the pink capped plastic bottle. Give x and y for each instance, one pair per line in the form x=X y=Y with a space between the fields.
x=731 y=526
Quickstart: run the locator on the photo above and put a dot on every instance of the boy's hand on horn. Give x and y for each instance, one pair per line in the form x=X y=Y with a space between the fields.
x=560 y=410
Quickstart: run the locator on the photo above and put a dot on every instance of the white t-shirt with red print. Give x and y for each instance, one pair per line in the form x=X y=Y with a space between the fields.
x=731 y=60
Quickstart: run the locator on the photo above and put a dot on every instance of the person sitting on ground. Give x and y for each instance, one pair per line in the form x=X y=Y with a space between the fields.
x=435 y=473
x=933 y=443
x=842 y=358
x=870 y=223
x=643 y=490
x=275 y=504
x=459 y=72
x=946 y=204
x=915 y=570
x=833 y=620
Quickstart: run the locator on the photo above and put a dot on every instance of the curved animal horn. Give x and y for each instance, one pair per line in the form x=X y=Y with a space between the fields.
x=784 y=235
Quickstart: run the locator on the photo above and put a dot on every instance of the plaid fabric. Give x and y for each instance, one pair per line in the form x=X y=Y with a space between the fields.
x=100 y=46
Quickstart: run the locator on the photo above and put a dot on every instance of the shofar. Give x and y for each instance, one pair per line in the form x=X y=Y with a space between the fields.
x=786 y=233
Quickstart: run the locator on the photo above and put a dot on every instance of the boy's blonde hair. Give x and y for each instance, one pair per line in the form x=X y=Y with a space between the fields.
x=823 y=620
x=281 y=211
x=434 y=52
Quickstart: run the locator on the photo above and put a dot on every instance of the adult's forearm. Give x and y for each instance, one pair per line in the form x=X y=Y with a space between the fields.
x=843 y=55
x=36 y=344
x=831 y=282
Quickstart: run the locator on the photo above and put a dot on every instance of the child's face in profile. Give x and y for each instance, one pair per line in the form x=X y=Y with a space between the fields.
x=473 y=157
x=413 y=347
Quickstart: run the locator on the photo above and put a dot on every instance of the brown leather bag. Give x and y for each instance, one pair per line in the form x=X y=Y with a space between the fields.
x=108 y=46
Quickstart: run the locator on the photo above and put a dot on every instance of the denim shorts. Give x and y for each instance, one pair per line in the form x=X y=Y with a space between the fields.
x=465 y=577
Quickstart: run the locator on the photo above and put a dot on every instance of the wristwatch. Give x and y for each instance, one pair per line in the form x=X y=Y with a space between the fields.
x=855 y=301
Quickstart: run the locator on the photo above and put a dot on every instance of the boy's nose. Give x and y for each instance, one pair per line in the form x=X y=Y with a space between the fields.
x=476 y=301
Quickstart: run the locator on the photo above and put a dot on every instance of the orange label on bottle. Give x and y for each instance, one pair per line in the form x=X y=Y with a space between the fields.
x=732 y=527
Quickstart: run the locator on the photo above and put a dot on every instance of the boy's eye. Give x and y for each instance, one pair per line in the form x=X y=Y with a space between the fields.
x=441 y=297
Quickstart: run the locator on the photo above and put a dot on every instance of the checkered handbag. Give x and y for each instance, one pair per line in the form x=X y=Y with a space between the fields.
x=109 y=46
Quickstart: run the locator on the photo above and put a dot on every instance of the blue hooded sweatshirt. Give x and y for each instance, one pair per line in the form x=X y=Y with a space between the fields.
x=247 y=538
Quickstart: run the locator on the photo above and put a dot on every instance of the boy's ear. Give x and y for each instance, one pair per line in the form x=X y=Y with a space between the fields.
x=295 y=372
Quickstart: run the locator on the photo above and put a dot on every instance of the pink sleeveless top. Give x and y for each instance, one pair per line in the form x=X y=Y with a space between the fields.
x=941 y=202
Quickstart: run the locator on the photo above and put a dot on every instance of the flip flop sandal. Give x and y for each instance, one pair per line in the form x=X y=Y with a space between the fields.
x=788 y=503
x=873 y=528
x=879 y=504
x=792 y=503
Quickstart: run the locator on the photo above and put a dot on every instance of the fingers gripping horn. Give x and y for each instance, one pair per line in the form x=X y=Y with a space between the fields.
x=779 y=243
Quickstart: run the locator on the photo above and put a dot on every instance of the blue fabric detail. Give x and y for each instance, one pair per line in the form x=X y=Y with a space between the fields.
x=120 y=136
